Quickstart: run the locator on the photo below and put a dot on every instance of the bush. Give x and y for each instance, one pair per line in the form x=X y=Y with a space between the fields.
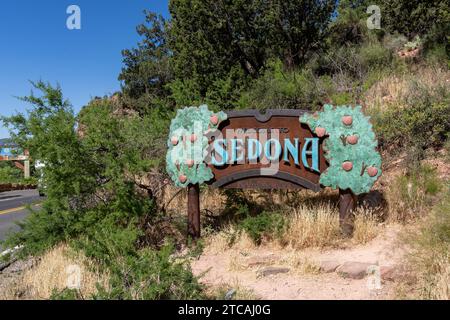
x=266 y=224
x=429 y=260
x=410 y=195
x=92 y=176
x=152 y=275
x=416 y=114
x=278 y=88
x=10 y=174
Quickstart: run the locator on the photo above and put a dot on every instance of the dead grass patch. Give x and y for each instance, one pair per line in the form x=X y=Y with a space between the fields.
x=58 y=269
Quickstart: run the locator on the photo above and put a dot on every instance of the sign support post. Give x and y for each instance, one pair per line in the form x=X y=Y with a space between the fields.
x=193 y=211
x=347 y=203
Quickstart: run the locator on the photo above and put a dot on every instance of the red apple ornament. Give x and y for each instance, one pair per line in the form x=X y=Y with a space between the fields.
x=190 y=163
x=372 y=171
x=174 y=140
x=347 y=166
x=352 y=139
x=347 y=120
x=214 y=120
x=320 y=132
x=182 y=178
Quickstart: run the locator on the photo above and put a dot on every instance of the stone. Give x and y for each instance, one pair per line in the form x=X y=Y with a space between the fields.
x=388 y=273
x=270 y=271
x=353 y=270
x=329 y=266
x=261 y=260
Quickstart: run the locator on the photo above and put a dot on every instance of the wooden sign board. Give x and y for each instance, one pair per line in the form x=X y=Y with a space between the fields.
x=273 y=150
x=267 y=151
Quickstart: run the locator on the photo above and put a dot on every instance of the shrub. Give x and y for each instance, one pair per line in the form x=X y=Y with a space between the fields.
x=429 y=260
x=415 y=114
x=278 y=88
x=411 y=194
x=264 y=225
x=152 y=275
x=10 y=174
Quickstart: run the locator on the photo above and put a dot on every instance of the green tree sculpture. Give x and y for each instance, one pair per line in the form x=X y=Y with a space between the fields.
x=187 y=145
x=350 y=149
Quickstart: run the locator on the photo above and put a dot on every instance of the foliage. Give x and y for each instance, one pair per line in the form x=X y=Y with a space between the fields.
x=278 y=88
x=265 y=224
x=423 y=123
x=429 y=259
x=210 y=50
x=410 y=195
x=93 y=198
x=147 y=70
x=10 y=174
x=414 y=17
x=152 y=275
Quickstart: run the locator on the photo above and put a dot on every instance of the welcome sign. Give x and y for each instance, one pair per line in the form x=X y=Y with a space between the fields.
x=280 y=149
x=266 y=151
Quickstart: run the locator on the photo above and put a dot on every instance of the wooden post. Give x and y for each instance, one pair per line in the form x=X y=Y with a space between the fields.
x=194 y=211
x=27 y=169
x=347 y=203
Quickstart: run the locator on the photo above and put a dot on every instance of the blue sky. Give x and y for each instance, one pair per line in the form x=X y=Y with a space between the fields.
x=36 y=44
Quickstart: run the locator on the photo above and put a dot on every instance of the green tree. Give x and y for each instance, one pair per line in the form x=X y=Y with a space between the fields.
x=147 y=69
x=415 y=17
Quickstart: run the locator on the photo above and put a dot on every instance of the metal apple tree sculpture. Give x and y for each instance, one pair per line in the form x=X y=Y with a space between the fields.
x=350 y=148
x=187 y=145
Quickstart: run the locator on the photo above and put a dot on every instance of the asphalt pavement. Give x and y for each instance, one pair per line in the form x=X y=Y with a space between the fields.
x=13 y=209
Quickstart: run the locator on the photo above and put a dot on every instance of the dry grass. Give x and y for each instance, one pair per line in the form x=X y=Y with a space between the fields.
x=240 y=292
x=313 y=226
x=299 y=262
x=366 y=226
x=427 y=275
x=309 y=226
x=393 y=91
x=55 y=271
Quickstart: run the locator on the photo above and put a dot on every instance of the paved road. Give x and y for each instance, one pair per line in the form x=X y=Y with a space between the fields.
x=12 y=209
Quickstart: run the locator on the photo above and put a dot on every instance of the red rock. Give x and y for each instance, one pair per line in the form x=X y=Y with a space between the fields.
x=347 y=166
x=389 y=273
x=214 y=120
x=329 y=266
x=174 y=140
x=190 y=163
x=353 y=270
x=193 y=138
x=372 y=171
x=182 y=178
x=320 y=132
x=347 y=120
x=352 y=139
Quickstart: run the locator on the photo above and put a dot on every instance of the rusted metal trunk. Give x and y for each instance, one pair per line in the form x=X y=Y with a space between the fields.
x=347 y=203
x=193 y=211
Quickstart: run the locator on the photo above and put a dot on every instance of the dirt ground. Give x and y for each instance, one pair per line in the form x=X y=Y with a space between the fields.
x=240 y=269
